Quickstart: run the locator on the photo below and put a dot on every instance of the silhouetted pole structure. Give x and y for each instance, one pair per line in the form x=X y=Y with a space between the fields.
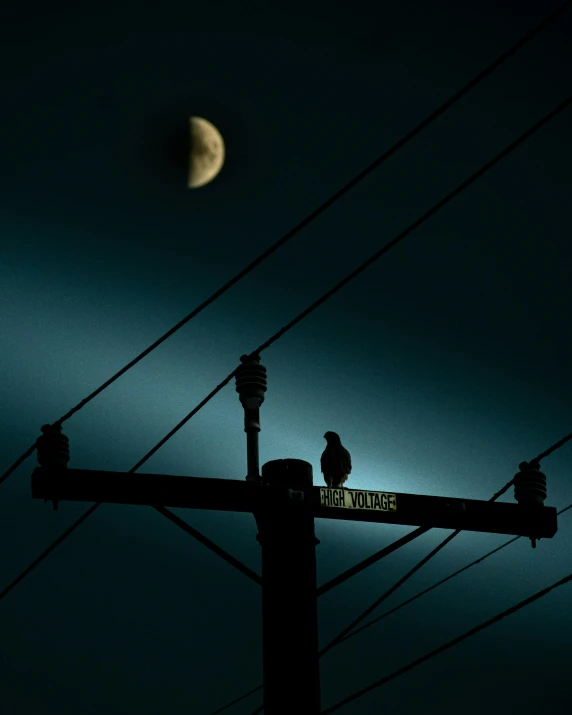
x=289 y=598
x=286 y=535
x=285 y=504
x=251 y=386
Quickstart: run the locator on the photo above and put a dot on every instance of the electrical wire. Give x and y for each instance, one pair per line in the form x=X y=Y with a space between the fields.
x=300 y=317
x=439 y=583
x=433 y=210
x=446 y=646
x=237 y=700
x=436 y=207
x=48 y=551
x=403 y=579
x=317 y=212
x=372 y=259
x=317 y=303
x=196 y=534
x=348 y=629
x=354 y=632
x=370 y=560
x=553 y=448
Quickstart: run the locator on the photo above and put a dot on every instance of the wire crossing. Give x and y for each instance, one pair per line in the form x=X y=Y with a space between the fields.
x=398 y=607
x=317 y=212
x=402 y=580
x=372 y=259
x=436 y=207
x=437 y=651
x=439 y=583
x=450 y=644
x=348 y=631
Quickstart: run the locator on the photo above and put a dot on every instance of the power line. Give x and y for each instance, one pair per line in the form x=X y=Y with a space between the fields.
x=349 y=630
x=387 y=594
x=310 y=309
x=433 y=210
x=435 y=585
x=50 y=548
x=317 y=212
x=354 y=632
x=253 y=576
x=372 y=259
x=162 y=510
x=321 y=300
x=450 y=644
x=374 y=558
x=554 y=447
x=477 y=174
x=327 y=295
x=402 y=580
x=237 y=700
x=340 y=579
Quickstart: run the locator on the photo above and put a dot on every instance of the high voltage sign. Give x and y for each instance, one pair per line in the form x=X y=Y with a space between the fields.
x=358 y=499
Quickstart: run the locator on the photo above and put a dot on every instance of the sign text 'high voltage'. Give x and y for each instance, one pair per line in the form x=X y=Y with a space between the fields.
x=357 y=499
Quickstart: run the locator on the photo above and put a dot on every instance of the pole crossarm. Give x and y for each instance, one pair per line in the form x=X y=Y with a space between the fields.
x=371 y=560
x=210 y=544
x=434 y=512
x=105 y=487
x=324 y=503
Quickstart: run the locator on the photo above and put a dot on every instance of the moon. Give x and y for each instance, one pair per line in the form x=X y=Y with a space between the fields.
x=207 y=152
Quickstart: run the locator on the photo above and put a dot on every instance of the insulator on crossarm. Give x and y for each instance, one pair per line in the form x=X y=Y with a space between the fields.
x=53 y=447
x=251 y=382
x=530 y=485
x=530 y=488
x=251 y=386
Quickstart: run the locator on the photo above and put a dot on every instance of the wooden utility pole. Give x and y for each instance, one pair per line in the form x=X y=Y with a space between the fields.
x=285 y=503
x=291 y=671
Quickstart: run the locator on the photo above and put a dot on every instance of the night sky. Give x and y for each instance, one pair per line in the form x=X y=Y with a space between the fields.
x=442 y=366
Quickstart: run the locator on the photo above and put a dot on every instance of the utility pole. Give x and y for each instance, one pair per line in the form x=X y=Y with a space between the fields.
x=285 y=503
x=291 y=672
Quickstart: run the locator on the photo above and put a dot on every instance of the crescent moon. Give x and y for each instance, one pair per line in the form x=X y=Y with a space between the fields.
x=207 y=152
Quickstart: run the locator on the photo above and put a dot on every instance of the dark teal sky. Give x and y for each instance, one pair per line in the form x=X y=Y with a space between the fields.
x=442 y=367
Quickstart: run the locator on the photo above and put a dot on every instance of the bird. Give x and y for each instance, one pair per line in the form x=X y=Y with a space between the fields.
x=335 y=462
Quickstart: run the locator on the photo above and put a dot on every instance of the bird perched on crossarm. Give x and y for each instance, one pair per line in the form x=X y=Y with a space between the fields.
x=335 y=462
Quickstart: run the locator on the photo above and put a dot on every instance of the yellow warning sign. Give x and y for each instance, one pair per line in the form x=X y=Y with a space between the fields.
x=358 y=499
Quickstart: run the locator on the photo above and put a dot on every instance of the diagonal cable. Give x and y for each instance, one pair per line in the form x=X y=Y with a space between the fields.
x=209 y=544
x=162 y=510
x=342 y=634
x=346 y=631
x=48 y=551
x=317 y=212
x=553 y=448
x=563 y=105
x=439 y=583
x=482 y=558
x=450 y=644
x=374 y=558
x=437 y=651
x=421 y=220
x=385 y=551
x=237 y=700
x=376 y=256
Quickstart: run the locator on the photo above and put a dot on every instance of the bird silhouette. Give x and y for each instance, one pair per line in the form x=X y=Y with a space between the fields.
x=335 y=462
